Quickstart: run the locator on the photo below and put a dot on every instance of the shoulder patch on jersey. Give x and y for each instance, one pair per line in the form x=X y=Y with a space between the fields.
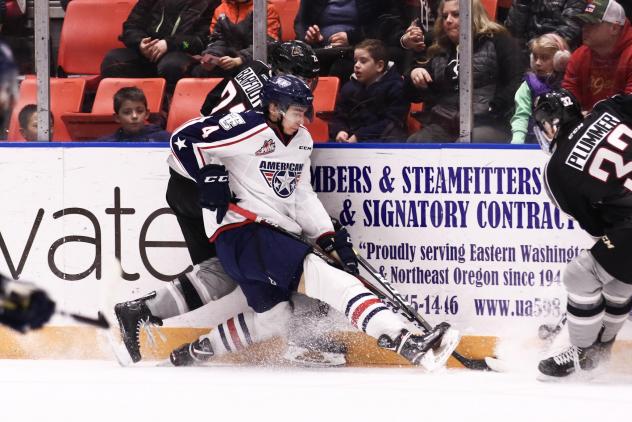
x=231 y=120
x=268 y=147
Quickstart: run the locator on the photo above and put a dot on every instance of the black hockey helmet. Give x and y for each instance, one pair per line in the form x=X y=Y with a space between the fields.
x=286 y=91
x=553 y=111
x=295 y=58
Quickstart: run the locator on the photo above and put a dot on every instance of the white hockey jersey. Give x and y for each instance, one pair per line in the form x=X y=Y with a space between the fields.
x=269 y=178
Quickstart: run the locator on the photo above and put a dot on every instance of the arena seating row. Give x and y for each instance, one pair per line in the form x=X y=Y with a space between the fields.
x=91 y=28
x=66 y=97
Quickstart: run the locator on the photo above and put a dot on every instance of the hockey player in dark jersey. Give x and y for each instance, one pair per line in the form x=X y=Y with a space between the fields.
x=208 y=281
x=261 y=159
x=589 y=177
x=23 y=306
x=242 y=92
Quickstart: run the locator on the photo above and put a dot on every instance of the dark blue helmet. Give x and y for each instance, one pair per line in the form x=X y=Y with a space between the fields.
x=286 y=91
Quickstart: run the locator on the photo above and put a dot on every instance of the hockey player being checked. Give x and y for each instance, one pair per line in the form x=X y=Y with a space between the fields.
x=208 y=282
x=587 y=177
x=262 y=159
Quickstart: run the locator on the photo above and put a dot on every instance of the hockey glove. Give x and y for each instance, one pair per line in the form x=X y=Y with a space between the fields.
x=23 y=306
x=340 y=242
x=214 y=190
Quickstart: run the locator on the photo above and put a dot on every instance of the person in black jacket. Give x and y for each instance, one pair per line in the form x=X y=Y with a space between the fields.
x=497 y=68
x=333 y=27
x=160 y=37
x=528 y=19
x=371 y=106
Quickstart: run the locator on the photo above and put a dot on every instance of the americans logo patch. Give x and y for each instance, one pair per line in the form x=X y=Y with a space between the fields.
x=281 y=177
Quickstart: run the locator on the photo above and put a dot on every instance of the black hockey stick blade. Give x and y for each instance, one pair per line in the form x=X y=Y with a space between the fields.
x=99 y=322
x=469 y=363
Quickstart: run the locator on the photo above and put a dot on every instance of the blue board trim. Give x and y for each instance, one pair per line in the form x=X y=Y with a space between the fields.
x=332 y=145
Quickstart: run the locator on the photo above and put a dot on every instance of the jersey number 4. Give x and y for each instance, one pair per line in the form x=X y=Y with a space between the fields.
x=621 y=168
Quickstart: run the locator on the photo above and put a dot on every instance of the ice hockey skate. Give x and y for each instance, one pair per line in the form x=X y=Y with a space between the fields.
x=429 y=350
x=571 y=360
x=320 y=352
x=191 y=354
x=132 y=317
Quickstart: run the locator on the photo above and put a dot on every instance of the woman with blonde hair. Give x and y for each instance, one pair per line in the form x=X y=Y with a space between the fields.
x=549 y=57
x=497 y=70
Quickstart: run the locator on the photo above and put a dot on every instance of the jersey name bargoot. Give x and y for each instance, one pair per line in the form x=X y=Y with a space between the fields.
x=251 y=85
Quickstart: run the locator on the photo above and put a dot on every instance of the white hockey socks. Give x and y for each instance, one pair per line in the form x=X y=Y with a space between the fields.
x=346 y=294
x=207 y=282
x=248 y=328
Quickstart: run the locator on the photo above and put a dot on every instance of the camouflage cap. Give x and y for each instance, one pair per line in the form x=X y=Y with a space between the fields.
x=598 y=11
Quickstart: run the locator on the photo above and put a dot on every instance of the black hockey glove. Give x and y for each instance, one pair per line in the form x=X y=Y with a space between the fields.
x=24 y=306
x=214 y=190
x=340 y=242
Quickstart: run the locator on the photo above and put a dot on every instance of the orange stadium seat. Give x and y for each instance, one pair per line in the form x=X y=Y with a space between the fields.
x=100 y=122
x=325 y=96
x=491 y=6
x=90 y=29
x=287 y=10
x=187 y=100
x=66 y=95
x=413 y=124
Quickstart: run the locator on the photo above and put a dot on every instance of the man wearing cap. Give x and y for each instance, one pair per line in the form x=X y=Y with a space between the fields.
x=602 y=66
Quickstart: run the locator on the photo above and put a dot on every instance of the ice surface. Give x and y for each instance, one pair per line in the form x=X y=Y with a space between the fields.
x=39 y=390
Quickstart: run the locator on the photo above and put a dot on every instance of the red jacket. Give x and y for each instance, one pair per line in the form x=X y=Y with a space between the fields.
x=236 y=12
x=592 y=79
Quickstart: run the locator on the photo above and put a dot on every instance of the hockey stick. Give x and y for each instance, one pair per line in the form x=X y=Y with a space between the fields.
x=413 y=315
x=550 y=331
x=396 y=299
x=99 y=322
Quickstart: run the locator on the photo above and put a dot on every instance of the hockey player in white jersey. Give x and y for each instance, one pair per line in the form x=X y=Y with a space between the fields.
x=207 y=281
x=261 y=159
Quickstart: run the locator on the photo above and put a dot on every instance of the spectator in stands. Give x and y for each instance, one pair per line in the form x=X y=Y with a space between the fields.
x=406 y=29
x=160 y=37
x=333 y=27
x=11 y=10
x=497 y=67
x=549 y=57
x=627 y=6
x=528 y=19
x=27 y=119
x=131 y=112
x=238 y=10
x=416 y=20
x=602 y=66
x=371 y=105
x=8 y=85
x=230 y=44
